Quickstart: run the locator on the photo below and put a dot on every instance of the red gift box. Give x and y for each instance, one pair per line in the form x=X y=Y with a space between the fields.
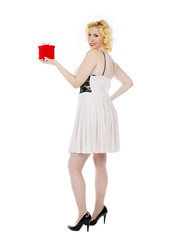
x=46 y=50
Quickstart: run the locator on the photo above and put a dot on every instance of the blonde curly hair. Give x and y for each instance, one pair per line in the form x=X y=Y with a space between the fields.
x=105 y=30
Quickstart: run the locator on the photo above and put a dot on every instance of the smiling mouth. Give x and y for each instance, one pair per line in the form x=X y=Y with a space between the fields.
x=92 y=44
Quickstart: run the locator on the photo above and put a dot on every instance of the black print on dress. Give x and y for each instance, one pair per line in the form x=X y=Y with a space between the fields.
x=86 y=86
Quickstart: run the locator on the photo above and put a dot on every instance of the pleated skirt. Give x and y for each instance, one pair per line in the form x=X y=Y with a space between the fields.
x=96 y=127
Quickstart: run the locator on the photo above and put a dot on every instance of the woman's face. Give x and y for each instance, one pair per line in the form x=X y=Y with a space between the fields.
x=95 y=40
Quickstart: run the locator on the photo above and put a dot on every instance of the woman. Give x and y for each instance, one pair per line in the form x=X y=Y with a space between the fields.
x=96 y=125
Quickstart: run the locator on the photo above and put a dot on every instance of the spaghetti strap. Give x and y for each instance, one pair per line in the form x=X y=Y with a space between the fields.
x=104 y=63
x=113 y=67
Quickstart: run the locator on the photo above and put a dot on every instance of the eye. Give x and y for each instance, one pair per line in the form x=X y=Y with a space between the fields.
x=96 y=35
x=89 y=34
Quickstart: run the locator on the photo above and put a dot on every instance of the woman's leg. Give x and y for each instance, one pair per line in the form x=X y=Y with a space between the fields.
x=75 y=166
x=101 y=181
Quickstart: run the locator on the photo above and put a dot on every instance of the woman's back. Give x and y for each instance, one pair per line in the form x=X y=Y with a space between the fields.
x=104 y=66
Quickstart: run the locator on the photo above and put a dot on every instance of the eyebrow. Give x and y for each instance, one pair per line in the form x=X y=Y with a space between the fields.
x=94 y=33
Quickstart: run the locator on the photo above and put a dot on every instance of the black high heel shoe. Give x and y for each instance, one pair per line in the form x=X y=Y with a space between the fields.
x=84 y=220
x=102 y=213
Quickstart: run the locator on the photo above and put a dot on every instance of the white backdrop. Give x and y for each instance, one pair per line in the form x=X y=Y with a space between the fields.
x=37 y=112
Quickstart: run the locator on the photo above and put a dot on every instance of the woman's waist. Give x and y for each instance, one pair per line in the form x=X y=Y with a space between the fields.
x=94 y=90
x=96 y=96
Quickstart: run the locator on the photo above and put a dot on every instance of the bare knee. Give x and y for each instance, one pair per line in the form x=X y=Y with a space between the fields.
x=76 y=162
x=72 y=166
x=100 y=160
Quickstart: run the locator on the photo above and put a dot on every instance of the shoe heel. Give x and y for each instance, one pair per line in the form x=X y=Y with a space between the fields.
x=88 y=226
x=105 y=218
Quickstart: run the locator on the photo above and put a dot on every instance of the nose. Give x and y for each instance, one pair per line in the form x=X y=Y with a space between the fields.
x=91 y=38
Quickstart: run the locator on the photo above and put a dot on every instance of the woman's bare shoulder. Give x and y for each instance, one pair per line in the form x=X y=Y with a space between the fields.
x=93 y=52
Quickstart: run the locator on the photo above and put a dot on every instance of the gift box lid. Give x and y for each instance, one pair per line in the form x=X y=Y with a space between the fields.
x=46 y=45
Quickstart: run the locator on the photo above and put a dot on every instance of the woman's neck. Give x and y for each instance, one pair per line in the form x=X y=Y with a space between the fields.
x=102 y=49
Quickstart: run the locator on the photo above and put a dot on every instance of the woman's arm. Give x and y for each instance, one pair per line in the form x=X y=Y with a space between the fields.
x=84 y=70
x=124 y=79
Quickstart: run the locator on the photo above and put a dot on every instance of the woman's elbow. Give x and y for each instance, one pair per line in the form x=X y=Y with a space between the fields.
x=130 y=83
x=75 y=85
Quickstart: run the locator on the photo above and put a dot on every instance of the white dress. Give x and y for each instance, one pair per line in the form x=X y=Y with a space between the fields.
x=96 y=127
